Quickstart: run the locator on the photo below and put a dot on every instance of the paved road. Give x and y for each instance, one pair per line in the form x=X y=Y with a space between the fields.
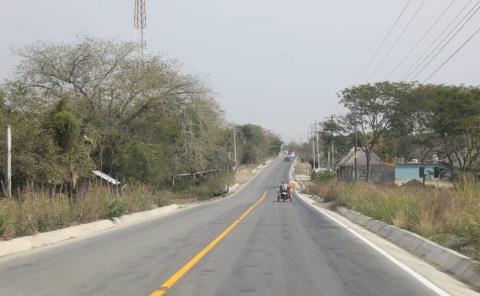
x=277 y=249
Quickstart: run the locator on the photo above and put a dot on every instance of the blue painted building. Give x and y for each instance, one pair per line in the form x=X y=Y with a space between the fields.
x=432 y=170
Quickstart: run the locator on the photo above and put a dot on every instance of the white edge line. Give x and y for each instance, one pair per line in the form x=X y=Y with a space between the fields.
x=407 y=269
x=404 y=267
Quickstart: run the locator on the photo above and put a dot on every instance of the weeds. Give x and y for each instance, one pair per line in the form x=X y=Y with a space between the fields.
x=450 y=217
x=38 y=211
x=323 y=176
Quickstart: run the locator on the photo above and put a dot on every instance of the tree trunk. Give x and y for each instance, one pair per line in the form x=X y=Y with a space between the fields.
x=368 y=155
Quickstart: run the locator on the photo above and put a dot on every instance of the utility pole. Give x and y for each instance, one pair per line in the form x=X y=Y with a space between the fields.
x=8 y=162
x=332 y=118
x=355 y=159
x=235 y=144
x=333 y=149
x=318 y=147
x=227 y=189
x=313 y=147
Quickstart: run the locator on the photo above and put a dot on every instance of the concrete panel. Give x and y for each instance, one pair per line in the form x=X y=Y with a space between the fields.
x=448 y=260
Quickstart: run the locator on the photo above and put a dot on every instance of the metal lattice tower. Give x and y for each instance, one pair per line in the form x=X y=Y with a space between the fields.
x=140 y=25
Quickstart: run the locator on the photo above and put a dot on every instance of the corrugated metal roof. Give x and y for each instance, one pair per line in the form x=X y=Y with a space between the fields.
x=419 y=164
x=106 y=177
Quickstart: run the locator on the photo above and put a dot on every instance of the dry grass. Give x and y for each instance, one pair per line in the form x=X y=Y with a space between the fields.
x=302 y=168
x=37 y=211
x=244 y=173
x=450 y=217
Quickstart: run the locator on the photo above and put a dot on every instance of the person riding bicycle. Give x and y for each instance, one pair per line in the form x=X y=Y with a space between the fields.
x=284 y=187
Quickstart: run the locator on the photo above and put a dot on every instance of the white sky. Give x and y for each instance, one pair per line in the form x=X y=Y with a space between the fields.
x=275 y=63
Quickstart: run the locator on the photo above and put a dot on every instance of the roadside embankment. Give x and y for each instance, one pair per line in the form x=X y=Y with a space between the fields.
x=431 y=223
x=246 y=172
x=445 y=216
x=26 y=243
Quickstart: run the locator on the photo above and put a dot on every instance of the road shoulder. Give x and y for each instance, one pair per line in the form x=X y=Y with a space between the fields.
x=439 y=279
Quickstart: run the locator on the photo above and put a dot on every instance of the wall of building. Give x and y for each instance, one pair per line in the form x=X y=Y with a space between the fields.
x=407 y=172
x=381 y=174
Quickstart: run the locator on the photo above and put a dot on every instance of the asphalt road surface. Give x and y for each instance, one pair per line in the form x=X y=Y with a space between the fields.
x=276 y=249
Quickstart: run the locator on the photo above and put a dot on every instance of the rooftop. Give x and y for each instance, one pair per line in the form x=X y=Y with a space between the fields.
x=349 y=159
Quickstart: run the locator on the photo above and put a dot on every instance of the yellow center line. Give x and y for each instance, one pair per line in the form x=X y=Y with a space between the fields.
x=182 y=271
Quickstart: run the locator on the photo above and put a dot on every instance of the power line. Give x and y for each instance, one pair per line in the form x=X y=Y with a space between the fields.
x=418 y=62
x=384 y=40
x=398 y=39
x=439 y=48
x=453 y=54
x=421 y=39
x=448 y=42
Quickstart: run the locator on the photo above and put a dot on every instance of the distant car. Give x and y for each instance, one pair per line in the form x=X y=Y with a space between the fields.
x=286 y=158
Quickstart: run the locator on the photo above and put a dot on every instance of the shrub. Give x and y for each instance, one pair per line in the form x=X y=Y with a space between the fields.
x=323 y=176
x=116 y=208
x=66 y=127
x=37 y=210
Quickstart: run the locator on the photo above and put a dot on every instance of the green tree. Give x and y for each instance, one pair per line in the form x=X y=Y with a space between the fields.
x=95 y=104
x=66 y=128
x=372 y=108
x=452 y=113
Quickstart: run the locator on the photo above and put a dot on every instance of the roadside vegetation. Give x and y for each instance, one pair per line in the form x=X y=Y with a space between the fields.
x=97 y=105
x=323 y=176
x=35 y=211
x=401 y=122
x=447 y=216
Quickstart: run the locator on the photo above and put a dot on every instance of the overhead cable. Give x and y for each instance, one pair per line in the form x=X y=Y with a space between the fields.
x=425 y=54
x=421 y=39
x=385 y=39
x=447 y=42
x=452 y=55
x=398 y=39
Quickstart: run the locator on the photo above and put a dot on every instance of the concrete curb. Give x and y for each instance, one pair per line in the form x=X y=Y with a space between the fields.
x=463 y=267
x=234 y=187
x=26 y=243
x=261 y=167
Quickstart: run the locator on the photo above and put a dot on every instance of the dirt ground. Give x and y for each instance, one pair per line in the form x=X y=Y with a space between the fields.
x=244 y=173
x=434 y=183
x=302 y=168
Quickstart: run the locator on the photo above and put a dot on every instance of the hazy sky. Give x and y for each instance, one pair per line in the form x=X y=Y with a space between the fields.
x=276 y=63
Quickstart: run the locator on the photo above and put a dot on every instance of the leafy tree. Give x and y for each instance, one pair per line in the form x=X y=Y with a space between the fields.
x=256 y=143
x=94 y=103
x=413 y=120
x=452 y=113
x=372 y=108
x=334 y=131
x=66 y=127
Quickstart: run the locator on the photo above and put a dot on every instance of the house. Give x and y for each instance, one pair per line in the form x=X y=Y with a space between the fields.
x=431 y=170
x=380 y=172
